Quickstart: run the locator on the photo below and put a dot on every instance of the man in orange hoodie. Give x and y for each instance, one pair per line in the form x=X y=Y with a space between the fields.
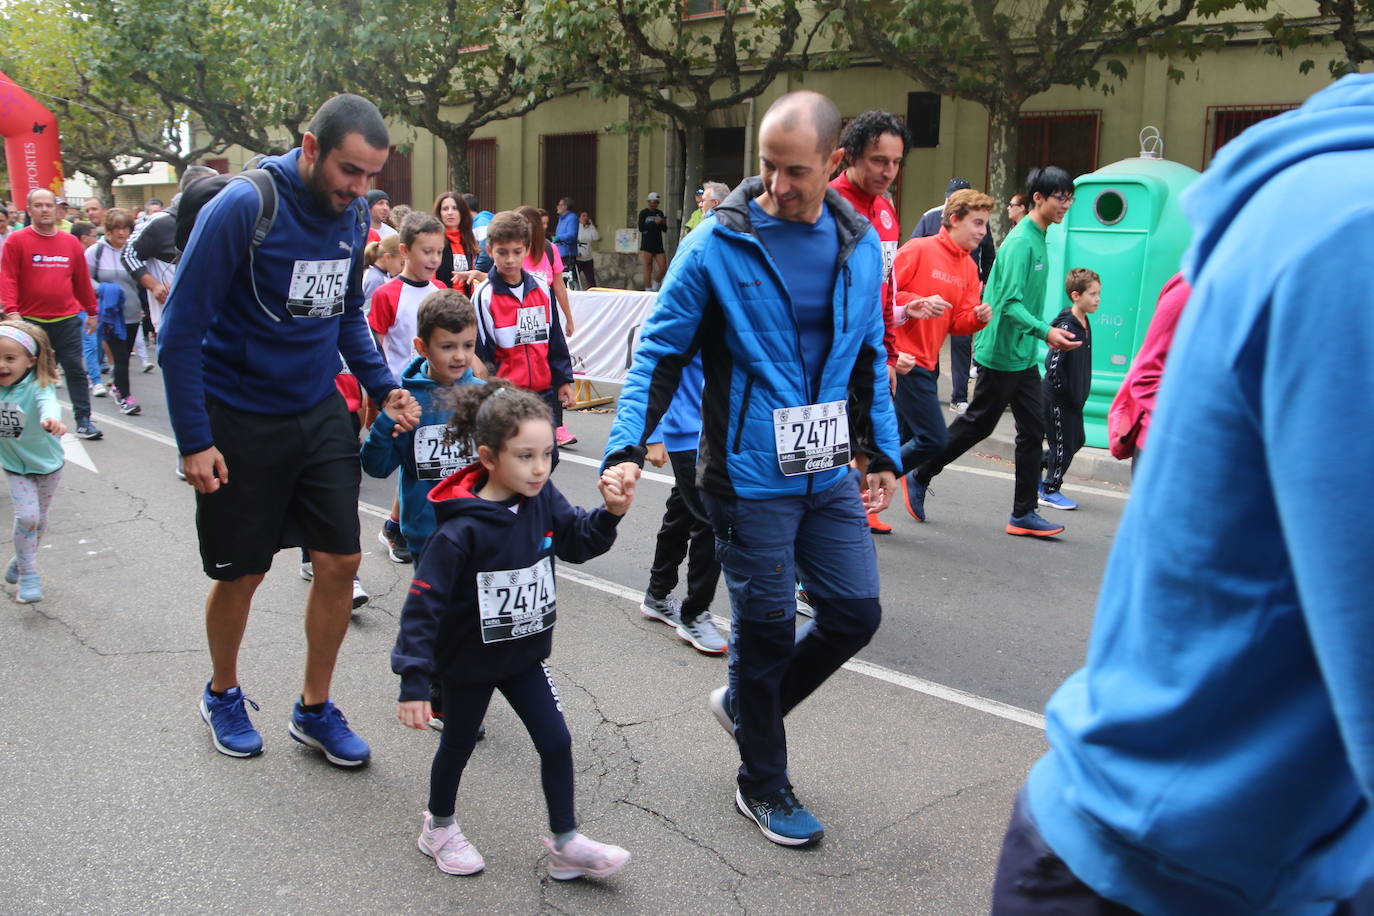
x=937 y=294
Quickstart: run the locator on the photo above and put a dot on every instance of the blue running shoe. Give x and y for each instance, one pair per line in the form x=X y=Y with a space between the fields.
x=1056 y=500
x=30 y=589
x=914 y=496
x=1032 y=525
x=12 y=571
x=327 y=731
x=782 y=818
x=230 y=728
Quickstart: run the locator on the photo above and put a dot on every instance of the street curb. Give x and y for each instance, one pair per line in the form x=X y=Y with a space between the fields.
x=1089 y=464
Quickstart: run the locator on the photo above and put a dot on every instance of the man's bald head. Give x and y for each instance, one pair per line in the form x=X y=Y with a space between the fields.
x=805 y=108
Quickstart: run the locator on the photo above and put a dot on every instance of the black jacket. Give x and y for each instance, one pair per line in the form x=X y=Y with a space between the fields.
x=484 y=551
x=1069 y=373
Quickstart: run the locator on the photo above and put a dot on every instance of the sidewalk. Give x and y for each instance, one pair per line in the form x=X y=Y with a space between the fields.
x=116 y=802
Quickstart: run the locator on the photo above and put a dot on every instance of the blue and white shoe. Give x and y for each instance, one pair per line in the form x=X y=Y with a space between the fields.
x=780 y=817
x=719 y=709
x=1056 y=500
x=30 y=589
x=1032 y=525
x=230 y=727
x=328 y=732
x=12 y=571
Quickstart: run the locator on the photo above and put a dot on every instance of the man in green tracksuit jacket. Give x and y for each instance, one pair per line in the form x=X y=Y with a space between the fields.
x=1007 y=352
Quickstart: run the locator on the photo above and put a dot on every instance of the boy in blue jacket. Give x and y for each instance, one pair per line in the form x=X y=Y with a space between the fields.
x=447 y=327
x=686 y=528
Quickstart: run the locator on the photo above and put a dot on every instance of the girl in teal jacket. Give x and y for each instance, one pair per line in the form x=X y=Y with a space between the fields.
x=30 y=448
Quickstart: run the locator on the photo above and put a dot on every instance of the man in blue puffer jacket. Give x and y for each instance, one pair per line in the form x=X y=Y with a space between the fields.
x=779 y=294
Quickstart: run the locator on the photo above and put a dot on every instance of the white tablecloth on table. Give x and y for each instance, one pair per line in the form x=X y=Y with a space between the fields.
x=606 y=326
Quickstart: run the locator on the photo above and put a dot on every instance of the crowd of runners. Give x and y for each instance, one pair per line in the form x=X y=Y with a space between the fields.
x=1215 y=755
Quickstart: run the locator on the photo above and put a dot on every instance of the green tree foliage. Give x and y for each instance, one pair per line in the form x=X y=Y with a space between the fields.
x=450 y=67
x=230 y=62
x=999 y=53
x=683 y=69
x=108 y=128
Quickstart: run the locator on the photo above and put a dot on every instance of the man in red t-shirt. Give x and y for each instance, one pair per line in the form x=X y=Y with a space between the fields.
x=875 y=143
x=44 y=279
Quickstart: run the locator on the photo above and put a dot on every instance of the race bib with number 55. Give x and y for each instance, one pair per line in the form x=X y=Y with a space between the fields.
x=11 y=420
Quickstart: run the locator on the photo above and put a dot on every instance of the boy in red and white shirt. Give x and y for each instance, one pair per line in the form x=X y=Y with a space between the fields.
x=396 y=303
x=518 y=333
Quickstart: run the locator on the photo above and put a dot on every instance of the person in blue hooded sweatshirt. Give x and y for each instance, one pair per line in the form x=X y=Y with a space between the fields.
x=1215 y=755
x=249 y=347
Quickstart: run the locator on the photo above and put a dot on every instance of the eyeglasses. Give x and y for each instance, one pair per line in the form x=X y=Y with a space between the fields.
x=1062 y=197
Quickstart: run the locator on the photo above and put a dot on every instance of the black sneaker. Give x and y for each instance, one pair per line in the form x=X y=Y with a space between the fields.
x=395 y=542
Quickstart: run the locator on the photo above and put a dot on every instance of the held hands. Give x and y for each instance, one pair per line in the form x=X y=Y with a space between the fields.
x=982 y=312
x=1060 y=339
x=159 y=291
x=402 y=407
x=617 y=486
x=905 y=362
x=567 y=396
x=926 y=307
x=414 y=713
x=56 y=427
x=205 y=470
x=881 y=486
x=657 y=455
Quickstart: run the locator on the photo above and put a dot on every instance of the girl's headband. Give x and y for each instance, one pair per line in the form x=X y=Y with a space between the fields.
x=23 y=338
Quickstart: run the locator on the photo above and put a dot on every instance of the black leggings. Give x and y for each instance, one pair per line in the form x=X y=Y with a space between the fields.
x=533 y=696
x=120 y=350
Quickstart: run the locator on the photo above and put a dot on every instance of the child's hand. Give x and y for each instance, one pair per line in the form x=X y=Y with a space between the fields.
x=402 y=408
x=567 y=396
x=56 y=427
x=656 y=455
x=617 y=486
x=414 y=713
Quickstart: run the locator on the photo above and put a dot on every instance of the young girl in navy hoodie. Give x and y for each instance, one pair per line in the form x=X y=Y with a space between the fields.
x=480 y=613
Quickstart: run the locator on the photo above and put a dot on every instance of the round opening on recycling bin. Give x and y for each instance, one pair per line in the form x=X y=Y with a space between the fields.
x=1110 y=207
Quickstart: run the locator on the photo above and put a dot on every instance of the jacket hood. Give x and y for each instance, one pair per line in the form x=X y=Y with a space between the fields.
x=1337 y=119
x=286 y=169
x=733 y=213
x=457 y=495
x=416 y=378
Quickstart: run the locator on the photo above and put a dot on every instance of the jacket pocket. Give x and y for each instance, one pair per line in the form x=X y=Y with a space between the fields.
x=743 y=414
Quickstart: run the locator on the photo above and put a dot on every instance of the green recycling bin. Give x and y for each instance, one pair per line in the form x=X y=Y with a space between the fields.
x=1126 y=224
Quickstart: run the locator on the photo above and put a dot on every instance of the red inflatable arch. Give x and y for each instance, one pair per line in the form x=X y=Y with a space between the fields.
x=32 y=151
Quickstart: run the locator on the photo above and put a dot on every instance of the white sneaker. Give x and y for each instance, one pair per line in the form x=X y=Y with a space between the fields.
x=449 y=849
x=703 y=635
x=583 y=857
x=307 y=571
x=716 y=702
x=665 y=610
x=359 y=595
x=958 y=406
x=98 y=390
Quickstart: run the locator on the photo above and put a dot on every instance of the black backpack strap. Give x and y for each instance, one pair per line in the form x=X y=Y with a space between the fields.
x=267 y=203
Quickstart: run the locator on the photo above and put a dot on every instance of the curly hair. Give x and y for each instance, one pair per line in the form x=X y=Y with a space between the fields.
x=492 y=413
x=869 y=126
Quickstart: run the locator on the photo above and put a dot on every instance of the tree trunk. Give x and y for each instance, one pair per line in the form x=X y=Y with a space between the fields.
x=459 y=174
x=694 y=166
x=1004 y=137
x=636 y=113
x=104 y=182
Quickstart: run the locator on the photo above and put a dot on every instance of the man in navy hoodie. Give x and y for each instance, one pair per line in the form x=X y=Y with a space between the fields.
x=249 y=347
x=1215 y=756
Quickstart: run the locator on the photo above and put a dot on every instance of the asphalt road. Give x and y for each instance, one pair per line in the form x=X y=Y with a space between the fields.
x=115 y=801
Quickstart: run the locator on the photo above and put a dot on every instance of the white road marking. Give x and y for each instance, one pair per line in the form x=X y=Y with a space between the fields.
x=76 y=453
x=877 y=672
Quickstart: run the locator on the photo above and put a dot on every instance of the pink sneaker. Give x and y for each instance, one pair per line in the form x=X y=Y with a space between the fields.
x=449 y=849
x=563 y=436
x=585 y=857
